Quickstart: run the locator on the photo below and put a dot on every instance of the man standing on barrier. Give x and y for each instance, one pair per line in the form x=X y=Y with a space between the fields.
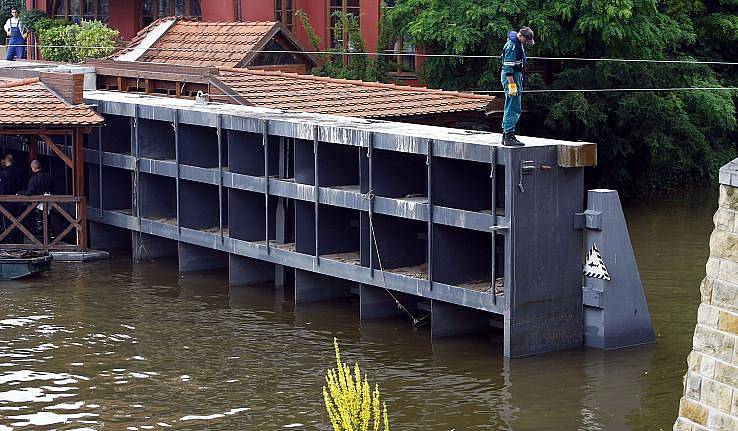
x=513 y=63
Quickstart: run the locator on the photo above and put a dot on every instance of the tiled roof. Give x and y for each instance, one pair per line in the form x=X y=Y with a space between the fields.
x=196 y=43
x=28 y=102
x=309 y=93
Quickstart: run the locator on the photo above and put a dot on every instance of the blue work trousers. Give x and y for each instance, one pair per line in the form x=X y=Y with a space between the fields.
x=513 y=106
x=17 y=48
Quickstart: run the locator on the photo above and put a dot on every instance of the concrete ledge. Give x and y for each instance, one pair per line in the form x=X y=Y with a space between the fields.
x=79 y=256
x=729 y=174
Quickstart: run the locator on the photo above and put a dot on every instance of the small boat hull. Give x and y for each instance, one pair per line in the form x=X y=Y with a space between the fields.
x=13 y=269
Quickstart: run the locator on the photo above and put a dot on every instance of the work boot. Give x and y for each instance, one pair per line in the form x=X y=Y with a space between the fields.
x=509 y=140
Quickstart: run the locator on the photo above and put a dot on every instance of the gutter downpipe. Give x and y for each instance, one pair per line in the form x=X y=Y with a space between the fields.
x=239 y=11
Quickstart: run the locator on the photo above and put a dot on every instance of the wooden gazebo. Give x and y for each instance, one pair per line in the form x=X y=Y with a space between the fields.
x=47 y=109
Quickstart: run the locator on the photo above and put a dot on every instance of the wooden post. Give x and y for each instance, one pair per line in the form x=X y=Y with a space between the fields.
x=82 y=238
x=78 y=181
x=32 y=150
x=78 y=171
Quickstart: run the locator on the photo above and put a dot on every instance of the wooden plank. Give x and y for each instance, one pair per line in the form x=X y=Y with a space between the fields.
x=161 y=76
x=64 y=213
x=40 y=198
x=56 y=150
x=46 y=226
x=17 y=223
x=150 y=68
x=41 y=130
x=577 y=156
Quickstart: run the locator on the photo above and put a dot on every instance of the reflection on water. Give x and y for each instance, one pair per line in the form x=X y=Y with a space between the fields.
x=112 y=345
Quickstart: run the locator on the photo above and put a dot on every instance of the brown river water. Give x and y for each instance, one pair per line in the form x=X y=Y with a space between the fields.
x=113 y=345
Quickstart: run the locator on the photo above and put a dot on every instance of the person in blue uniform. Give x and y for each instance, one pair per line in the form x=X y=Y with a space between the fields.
x=513 y=63
x=17 y=32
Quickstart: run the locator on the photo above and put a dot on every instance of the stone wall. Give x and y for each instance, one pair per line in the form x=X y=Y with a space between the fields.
x=710 y=400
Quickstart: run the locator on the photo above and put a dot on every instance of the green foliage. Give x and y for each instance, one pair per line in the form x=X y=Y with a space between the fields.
x=7 y=5
x=95 y=40
x=336 y=63
x=647 y=140
x=43 y=24
x=32 y=17
x=58 y=41
x=63 y=41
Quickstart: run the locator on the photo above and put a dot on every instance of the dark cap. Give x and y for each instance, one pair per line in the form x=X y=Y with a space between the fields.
x=528 y=34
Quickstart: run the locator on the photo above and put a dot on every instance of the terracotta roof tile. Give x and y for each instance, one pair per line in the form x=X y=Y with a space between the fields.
x=28 y=102
x=309 y=93
x=196 y=43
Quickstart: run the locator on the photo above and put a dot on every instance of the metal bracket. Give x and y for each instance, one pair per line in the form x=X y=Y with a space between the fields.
x=527 y=167
x=589 y=219
x=592 y=297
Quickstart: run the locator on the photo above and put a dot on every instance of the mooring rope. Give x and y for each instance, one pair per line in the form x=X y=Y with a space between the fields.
x=370 y=196
x=141 y=251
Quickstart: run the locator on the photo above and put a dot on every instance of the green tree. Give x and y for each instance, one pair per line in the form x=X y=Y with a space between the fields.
x=31 y=18
x=647 y=140
x=338 y=64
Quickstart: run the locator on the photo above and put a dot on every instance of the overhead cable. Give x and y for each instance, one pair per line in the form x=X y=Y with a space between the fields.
x=403 y=54
x=603 y=90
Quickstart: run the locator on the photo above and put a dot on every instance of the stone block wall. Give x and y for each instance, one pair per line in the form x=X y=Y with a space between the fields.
x=710 y=400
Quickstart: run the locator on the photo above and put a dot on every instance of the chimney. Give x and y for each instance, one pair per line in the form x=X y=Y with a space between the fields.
x=70 y=86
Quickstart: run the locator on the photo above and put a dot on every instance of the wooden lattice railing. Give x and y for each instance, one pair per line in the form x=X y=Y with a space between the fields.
x=21 y=207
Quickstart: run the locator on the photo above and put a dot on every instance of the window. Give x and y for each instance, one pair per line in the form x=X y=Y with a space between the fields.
x=151 y=10
x=404 y=59
x=77 y=10
x=400 y=63
x=349 y=7
x=284 y=13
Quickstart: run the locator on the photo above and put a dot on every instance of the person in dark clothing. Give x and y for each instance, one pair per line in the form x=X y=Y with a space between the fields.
x=40 y=183
x=11 y=182
x=11 y=177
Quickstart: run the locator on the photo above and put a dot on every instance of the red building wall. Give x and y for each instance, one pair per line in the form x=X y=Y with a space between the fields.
x=257 y=10
x=370 y=23
x=317 y=13
x=218 y=10
x=124 y=15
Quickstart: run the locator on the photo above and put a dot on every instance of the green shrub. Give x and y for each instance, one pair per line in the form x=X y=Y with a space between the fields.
x=63 y=41
x=95 y=40
x=57 y=43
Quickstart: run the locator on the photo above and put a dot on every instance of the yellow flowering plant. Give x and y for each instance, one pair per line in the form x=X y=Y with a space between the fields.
x=351 y=403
